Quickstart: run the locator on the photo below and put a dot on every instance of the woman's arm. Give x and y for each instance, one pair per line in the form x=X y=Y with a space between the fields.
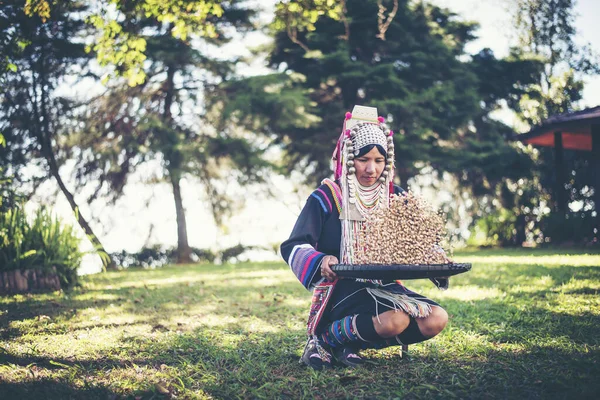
x=299 y=251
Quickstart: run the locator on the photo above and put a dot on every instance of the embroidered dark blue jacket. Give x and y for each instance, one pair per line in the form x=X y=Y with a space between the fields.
x=317 y=233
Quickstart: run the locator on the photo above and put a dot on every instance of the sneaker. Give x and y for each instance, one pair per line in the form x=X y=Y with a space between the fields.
x=315 y=355
x=347 y=356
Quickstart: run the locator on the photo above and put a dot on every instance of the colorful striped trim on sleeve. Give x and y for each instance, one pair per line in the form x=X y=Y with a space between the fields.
x=322 y=198
x=304 y=261
x=327 y=195
x=336 y=191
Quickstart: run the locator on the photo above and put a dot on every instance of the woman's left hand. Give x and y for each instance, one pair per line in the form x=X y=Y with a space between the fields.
x=326 y=271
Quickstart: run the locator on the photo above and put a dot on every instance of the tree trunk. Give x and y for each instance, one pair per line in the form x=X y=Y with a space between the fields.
x=45 y=138
x=107 y=262
x=183 y=248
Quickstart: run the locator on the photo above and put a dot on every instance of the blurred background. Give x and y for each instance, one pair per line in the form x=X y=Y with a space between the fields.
x=189 y=131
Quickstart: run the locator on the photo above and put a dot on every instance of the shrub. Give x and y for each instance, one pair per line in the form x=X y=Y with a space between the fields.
x=495 y=229
x=43 y=244
x=571 y=228
x=156 y=256
x=500 y=229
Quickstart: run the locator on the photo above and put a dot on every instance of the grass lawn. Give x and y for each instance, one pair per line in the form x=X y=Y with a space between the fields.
x=523 y=324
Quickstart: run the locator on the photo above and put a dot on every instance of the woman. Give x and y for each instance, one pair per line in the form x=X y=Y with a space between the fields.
x=347 y=315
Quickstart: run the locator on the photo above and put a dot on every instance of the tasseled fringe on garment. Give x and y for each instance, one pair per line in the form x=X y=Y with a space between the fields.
x=413 y=307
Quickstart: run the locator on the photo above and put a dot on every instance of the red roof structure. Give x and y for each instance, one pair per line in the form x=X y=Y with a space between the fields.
x=579 y=130
x=575 y=128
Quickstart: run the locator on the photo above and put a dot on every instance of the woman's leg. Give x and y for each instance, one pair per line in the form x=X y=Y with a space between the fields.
x=350 y=330
x=434 y=323
x=346 y=335
x=408 y=329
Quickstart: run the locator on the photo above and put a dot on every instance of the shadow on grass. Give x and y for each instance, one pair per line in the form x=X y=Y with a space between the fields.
x=266 y=366
x=555 y=353
x=49 y=389
x=197 y=362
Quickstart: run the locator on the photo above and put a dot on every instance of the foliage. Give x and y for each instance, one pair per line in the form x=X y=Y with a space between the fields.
x=494 y=229
x=514 y=190
x=157 y=256
x=44 y=243
x=234 y=253
x=546 y=28
x=237 y=332
x=483 y=157
x=10 y=197
x=294 y=17
x=119 y=44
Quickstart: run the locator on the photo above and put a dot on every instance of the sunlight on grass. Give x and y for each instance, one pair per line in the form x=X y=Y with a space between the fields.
x=571 y=305
x=84 y=345
x=547 y=260
x=257 y=279
x=468 y=293
x=534 y=285
x=581 y=286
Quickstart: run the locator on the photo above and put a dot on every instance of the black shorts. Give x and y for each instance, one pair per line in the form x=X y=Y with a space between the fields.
x=351 y=297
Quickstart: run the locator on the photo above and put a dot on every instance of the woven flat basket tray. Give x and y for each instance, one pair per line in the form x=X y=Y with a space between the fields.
x=399 y=271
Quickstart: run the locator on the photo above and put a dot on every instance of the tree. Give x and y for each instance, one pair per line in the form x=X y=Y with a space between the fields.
x=484 y=160
x=537 y=80
x=547 y=31
x=414 y=77
x=435 y=95
x=409 y=61
x=164 y=118
x=39 y=51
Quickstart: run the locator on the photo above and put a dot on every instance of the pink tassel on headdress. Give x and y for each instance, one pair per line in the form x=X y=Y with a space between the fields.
x=336 y=158
x=381 y=119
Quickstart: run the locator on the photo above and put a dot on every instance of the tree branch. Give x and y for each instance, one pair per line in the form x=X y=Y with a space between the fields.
x=381 y=25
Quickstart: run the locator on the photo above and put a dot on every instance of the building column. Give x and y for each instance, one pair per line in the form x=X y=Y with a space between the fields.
x=595 y=165
x=559 y=167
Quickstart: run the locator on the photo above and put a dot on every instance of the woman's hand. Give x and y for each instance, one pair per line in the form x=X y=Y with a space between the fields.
x=326 y=264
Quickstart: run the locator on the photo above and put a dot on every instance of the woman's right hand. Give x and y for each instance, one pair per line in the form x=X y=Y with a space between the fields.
x=326 y=271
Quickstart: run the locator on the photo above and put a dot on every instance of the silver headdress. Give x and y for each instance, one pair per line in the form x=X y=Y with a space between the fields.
x=361 y=128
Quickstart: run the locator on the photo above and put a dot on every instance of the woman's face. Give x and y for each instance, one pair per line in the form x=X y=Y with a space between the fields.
x=369 y=167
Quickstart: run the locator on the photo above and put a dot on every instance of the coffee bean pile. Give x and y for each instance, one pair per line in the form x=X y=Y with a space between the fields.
x=408 y=232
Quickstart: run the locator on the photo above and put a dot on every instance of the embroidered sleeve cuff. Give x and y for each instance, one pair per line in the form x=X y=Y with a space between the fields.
x=305 y=262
